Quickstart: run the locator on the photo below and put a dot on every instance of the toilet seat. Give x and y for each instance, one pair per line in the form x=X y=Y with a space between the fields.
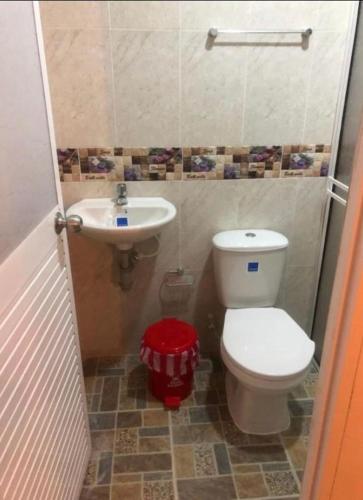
x=266 y=342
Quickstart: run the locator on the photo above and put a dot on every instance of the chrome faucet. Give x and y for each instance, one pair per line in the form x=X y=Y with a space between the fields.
x=121 y=198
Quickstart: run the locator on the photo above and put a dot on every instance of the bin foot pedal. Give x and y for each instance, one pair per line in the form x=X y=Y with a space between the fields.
x=172 y=402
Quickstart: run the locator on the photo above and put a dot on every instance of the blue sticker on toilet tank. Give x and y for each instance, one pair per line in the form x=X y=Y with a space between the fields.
x=122 y=221
x=252 y=267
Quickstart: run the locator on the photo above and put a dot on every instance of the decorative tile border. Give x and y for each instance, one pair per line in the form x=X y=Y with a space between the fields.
x=209 y=163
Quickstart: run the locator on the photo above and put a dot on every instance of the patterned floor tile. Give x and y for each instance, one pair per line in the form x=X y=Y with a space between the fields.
x=140 y=451
x=233 y=436
x=111 y=366
x=145 y=462
x=126 y=441
x=219 y=488
x=155 y=418
x=154 y=444
x=109 y=398
x=250 y=486
x=159 y=490
x=95 y=493
x=257 y=454
x=184 y=461
x=197 y=433
x=128 y=419
x=203 y=414
x=126 y=491
x=281 y=483
x=297 y=451
x=222 y=458
x=127 y=400
x=204 y=460
x=91 y=473
x=300 y=426
x=104 y=472
x=180 y=417
x=102 y=421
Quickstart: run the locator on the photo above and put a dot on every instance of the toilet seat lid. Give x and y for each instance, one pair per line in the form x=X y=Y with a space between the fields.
x=266 y=341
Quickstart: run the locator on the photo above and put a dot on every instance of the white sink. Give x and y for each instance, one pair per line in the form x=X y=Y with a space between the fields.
x=124 y=225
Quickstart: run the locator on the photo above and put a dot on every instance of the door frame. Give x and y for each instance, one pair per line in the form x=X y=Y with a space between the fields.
x=338 y=122
x=63 y=236
x=335 y=459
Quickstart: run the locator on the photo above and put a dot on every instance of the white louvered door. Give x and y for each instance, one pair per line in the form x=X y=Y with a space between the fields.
x=44 y=434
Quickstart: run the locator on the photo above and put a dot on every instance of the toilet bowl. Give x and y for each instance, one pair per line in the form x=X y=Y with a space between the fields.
x=266 y=354
x=265 y=351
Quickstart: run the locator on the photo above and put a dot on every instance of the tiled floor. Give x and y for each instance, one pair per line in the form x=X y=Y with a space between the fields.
x=140 y=451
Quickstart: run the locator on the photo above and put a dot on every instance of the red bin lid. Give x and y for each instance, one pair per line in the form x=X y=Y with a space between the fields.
x=170 y=336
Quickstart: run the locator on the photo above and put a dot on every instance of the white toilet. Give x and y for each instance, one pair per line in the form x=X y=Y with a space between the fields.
x=265 y=351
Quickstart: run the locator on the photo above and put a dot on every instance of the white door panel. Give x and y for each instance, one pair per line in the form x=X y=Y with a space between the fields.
x=44 y=434
x=44 y=440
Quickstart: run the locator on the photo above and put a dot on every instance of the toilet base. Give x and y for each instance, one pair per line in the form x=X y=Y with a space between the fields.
x=254 y=411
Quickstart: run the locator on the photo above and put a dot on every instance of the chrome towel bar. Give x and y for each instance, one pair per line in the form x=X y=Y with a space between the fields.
x=214 y=32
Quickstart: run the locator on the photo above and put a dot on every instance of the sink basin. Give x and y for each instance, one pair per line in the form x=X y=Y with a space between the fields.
x=124 y=225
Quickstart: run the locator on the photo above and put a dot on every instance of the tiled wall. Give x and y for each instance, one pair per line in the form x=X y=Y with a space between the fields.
x=210 y=163
x=112 y=321
x=141 y=74
x=138 y=92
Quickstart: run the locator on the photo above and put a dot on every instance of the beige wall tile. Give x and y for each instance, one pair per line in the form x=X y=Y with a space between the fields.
x=212 y=83
x=270 y=205
x=207 y=207
x=334 y=14
x=196 y=15
x=275 y=97
x=141 y=15
x=299 y=294
x=327 y=62
x=79 y=70
x=243 y=91
x=146 y=87
x=283 y=14
x=306 y=236
x=74 y=14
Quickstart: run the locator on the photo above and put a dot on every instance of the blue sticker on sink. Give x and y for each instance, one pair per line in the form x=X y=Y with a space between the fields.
x=252 y=267
x=122 y=221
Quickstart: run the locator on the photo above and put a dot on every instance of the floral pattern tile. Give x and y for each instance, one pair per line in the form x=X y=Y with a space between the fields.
x=69 y=166
x=193 y=163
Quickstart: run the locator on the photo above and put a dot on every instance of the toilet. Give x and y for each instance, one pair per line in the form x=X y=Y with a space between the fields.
x=265 y=351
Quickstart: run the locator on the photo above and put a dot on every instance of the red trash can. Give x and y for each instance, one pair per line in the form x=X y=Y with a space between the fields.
x=170 y=349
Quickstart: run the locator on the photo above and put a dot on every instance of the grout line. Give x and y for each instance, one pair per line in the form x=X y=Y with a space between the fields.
x=173 y=470
x=164 y=30
x=179 y=256
x=113 y=91
x=114 y=435
x=233 y=474
x=292 y=467
x=245 y=80
x=309 y=82
x=264 y=479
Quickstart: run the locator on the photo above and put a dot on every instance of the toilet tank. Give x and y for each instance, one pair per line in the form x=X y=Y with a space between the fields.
x=248 y=266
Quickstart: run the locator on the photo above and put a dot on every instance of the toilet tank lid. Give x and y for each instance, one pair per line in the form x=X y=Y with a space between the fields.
x=249 y=240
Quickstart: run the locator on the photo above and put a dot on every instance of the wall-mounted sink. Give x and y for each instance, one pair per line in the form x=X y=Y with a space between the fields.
x=138 y=220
